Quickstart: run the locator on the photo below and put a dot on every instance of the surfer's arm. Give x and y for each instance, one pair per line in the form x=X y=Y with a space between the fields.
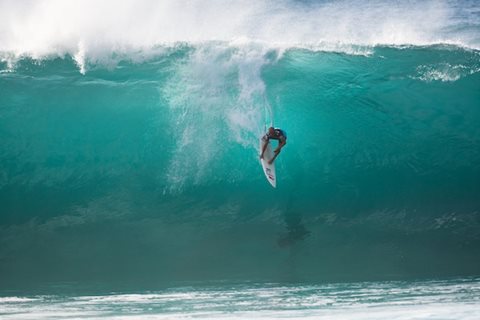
x=281 y=143
x=276 y=152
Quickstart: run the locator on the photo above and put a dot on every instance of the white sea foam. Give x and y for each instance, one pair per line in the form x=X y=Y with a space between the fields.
x=16 y=299
x=444 y=72
x=193 y=95
x=90 y=29
x=450 y=299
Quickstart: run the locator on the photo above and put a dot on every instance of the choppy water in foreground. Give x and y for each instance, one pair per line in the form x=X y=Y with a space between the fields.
x=457 y=299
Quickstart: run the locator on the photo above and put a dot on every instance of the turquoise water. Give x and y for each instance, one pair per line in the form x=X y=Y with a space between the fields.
x=146 y=169
x=129 y=152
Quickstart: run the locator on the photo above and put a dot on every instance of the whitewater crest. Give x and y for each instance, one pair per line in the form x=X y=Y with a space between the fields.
x=89 y=31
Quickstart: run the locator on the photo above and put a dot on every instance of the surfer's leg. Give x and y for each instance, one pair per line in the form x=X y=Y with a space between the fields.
x=276 y=154
x=264 y=147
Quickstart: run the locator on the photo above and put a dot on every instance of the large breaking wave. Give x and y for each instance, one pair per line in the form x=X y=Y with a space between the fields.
x=129 y=139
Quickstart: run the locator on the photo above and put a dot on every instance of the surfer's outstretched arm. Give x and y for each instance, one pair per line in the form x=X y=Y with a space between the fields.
x=276 y=154
x=277 y=150
x=280 y=146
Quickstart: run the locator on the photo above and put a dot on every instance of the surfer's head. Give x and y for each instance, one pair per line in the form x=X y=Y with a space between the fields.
x=271 y=131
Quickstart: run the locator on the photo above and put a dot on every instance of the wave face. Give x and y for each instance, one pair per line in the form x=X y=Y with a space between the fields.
x=125 y=158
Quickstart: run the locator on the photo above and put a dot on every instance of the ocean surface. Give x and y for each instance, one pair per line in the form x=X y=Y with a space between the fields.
x=399 y=300
x=130 y=183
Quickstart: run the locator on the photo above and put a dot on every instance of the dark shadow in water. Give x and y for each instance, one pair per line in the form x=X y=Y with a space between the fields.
x=296 y=231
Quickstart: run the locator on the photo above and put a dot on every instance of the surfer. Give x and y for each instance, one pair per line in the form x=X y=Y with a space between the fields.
x=275 y=134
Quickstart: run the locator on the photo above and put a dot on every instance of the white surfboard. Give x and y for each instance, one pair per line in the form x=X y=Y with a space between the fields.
x=268 y=169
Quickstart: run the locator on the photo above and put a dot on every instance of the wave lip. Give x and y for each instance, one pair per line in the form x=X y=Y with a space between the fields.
x=89 y=29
